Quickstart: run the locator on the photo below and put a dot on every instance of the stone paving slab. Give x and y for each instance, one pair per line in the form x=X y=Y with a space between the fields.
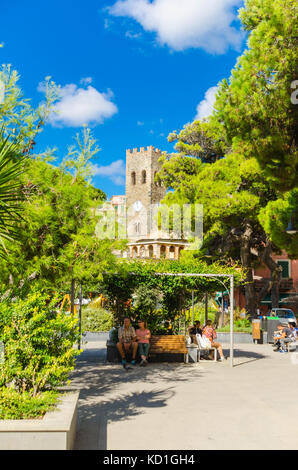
x=189 y=406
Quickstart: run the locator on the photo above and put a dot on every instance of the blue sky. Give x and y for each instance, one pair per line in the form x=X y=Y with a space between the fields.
x=133 y=70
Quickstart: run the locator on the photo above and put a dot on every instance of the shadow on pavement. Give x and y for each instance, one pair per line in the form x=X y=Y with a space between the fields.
x=247 y=356
x=97 y=380
x=94 y=418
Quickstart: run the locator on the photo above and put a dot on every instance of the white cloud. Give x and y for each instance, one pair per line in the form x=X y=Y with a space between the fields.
x=140 y=123
x=185 y=24
x=205 y=107
x=107 y=24
x=86 y=80
x=115 y=171
x=79 y=106
x=132 y=35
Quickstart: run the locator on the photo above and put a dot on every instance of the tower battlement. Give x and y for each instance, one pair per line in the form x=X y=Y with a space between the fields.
x=150 y=149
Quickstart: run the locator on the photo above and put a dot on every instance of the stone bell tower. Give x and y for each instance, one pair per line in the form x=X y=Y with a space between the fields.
x=141 y=193
x=141 y=168
x=141 y=189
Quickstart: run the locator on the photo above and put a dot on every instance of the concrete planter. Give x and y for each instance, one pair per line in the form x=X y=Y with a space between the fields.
x=112 y=353
x=238 y=337
x=55 y=431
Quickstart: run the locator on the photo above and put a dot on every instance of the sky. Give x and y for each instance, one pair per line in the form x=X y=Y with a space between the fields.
x=131 y=70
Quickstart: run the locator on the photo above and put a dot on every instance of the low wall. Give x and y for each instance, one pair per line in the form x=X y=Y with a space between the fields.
x=98 y=336
x=238 y=337
x=55 y=431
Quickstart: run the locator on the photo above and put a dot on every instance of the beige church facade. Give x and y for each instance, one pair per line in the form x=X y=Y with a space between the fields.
x=142 y=198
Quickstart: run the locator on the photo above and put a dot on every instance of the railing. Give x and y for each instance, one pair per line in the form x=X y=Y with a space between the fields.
x=285 y=284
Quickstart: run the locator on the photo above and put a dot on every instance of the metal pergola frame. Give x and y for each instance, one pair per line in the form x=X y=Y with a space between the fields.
x=215 y=276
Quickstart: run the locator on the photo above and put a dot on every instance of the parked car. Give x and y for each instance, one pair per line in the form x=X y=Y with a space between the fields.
x=285 y=315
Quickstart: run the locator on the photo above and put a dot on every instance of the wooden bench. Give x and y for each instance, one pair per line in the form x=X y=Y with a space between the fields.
x=168 y=344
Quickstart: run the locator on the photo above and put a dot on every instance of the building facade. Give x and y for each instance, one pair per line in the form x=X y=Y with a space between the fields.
x=288 y=288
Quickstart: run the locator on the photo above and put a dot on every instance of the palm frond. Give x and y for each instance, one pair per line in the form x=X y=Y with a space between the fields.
x=11 y=167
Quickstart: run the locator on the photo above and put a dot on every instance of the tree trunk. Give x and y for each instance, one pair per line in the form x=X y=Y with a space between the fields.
x=275 y=271
x=250 y=295
x=245 y=254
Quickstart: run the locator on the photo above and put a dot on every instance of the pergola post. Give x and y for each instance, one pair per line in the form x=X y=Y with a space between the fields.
x=231 y=320
x=206 y=307
x=80 y=316
x=192 y=306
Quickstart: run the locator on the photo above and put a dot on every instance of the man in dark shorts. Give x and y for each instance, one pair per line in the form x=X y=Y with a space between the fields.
x=285 y=335
x=127 y=341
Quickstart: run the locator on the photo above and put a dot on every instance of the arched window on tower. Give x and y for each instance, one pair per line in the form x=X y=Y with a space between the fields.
x=137 y=227
x=133 y=177
x=143 y=176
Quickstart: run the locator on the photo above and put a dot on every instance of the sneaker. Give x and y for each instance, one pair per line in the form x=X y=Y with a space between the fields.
x=283 y=351
x=133 y=362
x=123 y=362
x=142 y=363
x=221 y=359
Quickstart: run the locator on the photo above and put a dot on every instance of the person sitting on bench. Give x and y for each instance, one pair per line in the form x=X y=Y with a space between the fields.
x=210 y=333
x=293 y=327
x=143 y=337
x=195 y=330
x=283 y=335
x=127 y=341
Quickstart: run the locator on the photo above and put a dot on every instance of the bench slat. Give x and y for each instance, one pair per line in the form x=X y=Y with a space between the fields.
x=166 y=343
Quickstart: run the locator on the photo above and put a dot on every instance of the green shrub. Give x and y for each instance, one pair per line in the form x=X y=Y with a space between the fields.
x=96 y=319
x=38 y=342
x=240 y=325
x=15 y=405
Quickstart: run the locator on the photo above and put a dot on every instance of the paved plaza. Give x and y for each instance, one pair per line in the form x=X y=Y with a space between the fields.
x=188 y=406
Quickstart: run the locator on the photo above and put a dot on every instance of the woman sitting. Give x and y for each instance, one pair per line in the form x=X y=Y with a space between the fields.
x=143 y=337
x=195 y=330
x=210 y=333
